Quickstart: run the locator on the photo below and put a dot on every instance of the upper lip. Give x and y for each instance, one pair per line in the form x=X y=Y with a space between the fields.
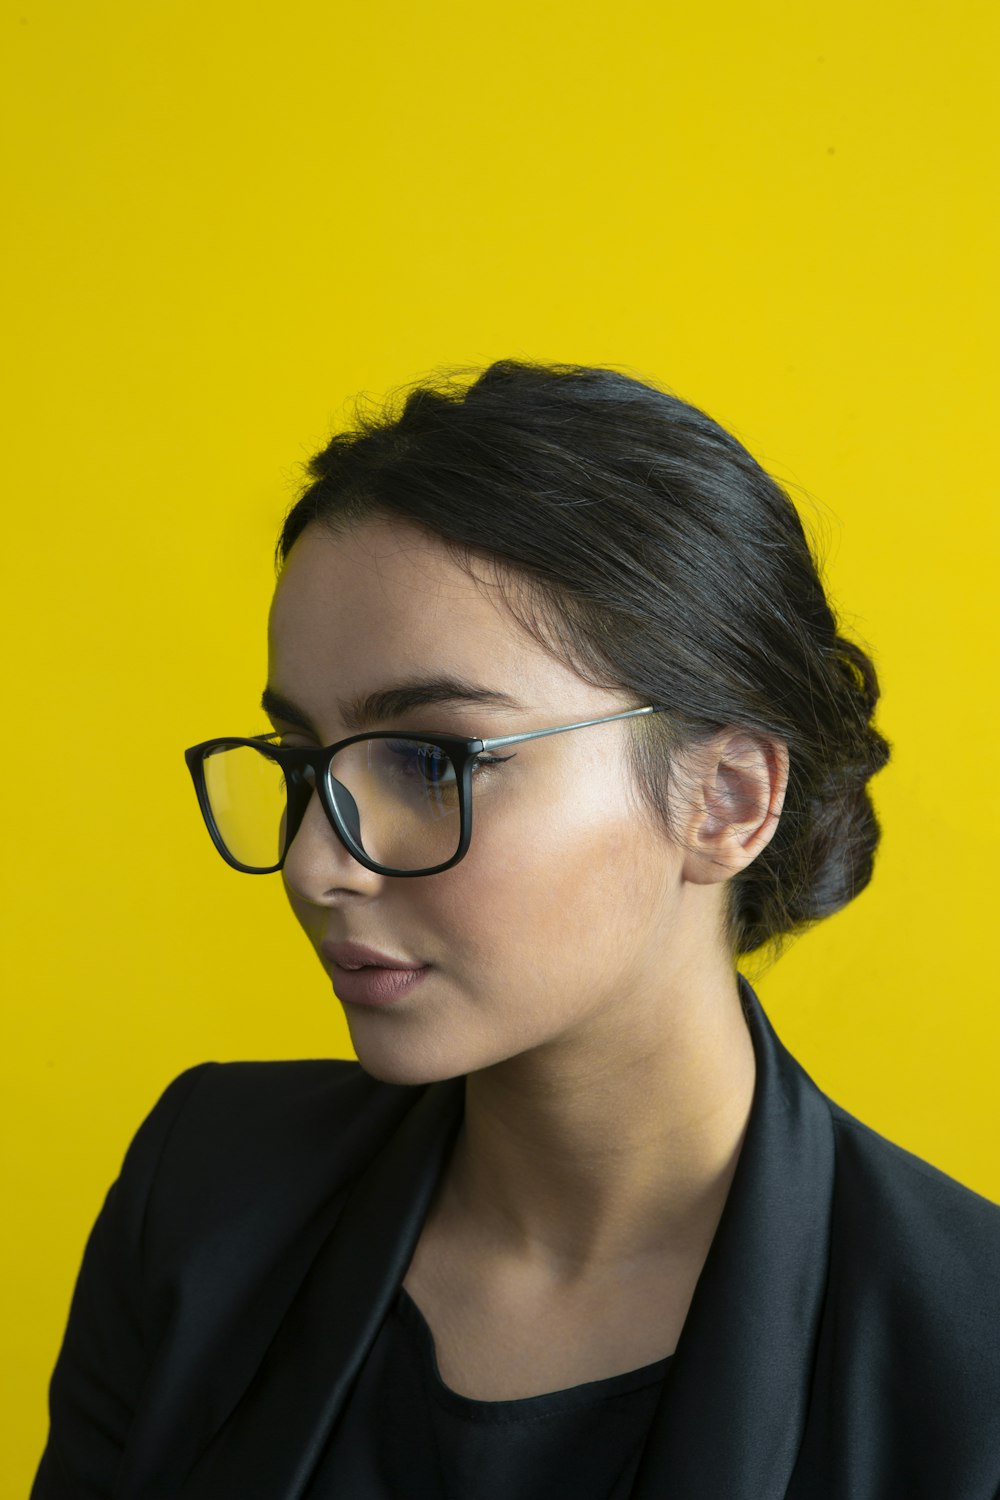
x=358 y=956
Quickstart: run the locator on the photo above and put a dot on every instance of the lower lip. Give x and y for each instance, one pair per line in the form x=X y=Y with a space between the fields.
x=375 y=986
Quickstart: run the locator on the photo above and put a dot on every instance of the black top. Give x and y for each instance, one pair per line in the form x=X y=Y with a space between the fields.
x=404 y=1433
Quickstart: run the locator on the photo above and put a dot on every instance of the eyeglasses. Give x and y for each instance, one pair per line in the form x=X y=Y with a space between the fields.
x=400 y=803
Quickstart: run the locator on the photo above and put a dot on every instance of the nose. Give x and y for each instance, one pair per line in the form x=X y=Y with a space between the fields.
x=317 y=866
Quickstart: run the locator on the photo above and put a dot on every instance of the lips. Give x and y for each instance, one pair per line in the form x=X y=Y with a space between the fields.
x=359 y=956
x=365 y=976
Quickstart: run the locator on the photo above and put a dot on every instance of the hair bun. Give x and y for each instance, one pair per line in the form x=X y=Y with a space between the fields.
x=839 y=831
x=864 y=750
x=859 y=672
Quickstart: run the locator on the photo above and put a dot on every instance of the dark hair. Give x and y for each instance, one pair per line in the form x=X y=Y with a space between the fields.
x=663 y=560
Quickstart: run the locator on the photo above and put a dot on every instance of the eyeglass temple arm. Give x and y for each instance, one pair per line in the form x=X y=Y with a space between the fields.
x=538 y=734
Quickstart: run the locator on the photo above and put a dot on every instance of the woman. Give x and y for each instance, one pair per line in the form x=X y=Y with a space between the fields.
x=561 y=726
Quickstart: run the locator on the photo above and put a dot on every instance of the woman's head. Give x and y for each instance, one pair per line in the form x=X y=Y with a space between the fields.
x=642 y=545
x=575 y=927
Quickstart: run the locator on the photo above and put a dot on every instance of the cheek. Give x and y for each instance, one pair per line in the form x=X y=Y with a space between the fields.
x=570 y=877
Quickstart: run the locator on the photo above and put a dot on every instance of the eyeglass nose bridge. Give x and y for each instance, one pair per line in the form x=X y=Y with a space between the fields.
x=338 y=804
x=346 y=807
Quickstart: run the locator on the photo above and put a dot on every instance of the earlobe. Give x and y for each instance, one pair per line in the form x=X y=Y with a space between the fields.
x=738 y=797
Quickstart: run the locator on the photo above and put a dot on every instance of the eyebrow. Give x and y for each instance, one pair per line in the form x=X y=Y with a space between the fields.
x=393 y=702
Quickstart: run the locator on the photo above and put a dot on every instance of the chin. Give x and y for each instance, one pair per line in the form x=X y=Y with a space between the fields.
x=401 y=1075
x=391 y=1060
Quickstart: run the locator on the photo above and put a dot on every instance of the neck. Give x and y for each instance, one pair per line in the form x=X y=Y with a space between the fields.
x=612 y=1149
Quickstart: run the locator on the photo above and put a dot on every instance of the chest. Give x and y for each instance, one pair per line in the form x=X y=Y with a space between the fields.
x=503 y=1333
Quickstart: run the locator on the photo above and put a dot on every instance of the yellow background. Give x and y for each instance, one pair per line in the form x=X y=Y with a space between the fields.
x=226 y=220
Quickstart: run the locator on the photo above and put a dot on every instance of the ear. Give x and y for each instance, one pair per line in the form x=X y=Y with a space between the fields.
x=734 y=790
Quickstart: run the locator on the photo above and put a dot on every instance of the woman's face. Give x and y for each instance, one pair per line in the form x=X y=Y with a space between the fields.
x=566 y=921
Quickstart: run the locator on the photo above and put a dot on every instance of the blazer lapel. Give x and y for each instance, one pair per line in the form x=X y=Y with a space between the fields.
x=732 y=1415
x=271 y=1443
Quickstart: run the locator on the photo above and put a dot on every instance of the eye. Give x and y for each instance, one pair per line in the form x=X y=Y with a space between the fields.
x=422 y=761
x=485 y=762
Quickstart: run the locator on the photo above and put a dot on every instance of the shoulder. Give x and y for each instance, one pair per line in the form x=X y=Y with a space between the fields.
x=231 y=1142
x=919 y=1252
x=226 y=1193
x=915 y=1201
x=262 y=1110
x=263 y=1095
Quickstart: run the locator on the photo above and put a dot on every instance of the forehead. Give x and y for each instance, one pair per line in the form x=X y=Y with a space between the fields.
x=385 y=600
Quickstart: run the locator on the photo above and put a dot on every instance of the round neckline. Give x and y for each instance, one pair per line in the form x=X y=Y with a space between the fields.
x=548 y=1403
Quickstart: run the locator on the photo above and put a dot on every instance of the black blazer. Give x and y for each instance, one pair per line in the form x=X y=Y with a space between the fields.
x=843 y=1342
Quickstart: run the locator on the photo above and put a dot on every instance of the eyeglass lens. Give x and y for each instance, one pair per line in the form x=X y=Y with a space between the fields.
x=398 y=798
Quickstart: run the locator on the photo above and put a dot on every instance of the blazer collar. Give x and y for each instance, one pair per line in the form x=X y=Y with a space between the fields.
x=732 y=1414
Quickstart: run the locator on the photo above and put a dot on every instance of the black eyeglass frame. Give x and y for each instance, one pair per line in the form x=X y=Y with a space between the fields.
x=296 y=759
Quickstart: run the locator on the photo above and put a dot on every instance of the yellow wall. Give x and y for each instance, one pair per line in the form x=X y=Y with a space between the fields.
x=230 y=218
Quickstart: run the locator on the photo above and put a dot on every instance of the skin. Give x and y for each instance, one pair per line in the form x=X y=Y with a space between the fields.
x=579 y=972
